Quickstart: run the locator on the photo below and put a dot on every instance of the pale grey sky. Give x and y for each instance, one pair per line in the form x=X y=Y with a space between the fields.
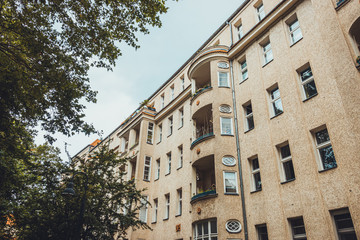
x=139 y=73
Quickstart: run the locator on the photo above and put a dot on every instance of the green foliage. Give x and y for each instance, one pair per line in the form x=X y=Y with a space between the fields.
x=39 y=211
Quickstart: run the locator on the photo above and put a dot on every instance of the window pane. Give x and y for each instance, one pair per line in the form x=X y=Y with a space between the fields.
x=262 y=232
x=206 y=228
x=255 y=164
x=327 y=157
x=257 y=180
x=243 y=65
x=294 y=25
x=348 y=236
x=306 y=74
x=250 y=121
x=296 y=35
x=213 y=227
x=230 y=182
x=285 y=151
x=277 y=107
x=199 y=230
x=322 y=136
x=268 y=56
x=223 y=79
x=226 y=125
x=310 y=89
x=248 y=109
x=343 y=221
x=245 y=75
x=289 y=170
x=275 y=93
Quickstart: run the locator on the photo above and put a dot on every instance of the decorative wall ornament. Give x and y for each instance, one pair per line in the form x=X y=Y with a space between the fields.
x=229 y=161
x=198 y=151
x=197 y=102
x=198 y=210
x=224 y=108
x=178 y=228
x=233 y=226
x=223 y=65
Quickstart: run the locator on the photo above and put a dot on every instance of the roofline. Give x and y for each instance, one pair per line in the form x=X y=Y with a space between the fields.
x=202 y=46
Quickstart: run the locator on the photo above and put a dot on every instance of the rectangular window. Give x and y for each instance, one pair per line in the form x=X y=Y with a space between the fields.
x=298 y=228
x=308 y=83
x=167 y=206
x=172 y=92
x=295 y=31
x=170 y=125
x=179 y=202
x=223 y=79
x=156 y=206
x=267 y=52
x=226 y=126
x=143 y=209
x=249 y=119
x=181 y=117
x=169 y=163
x=244 y=71
x=344 y=224
x=160 y=132
x=162 y=101
x=205 y=230
x=147 y=168
x=182 y=83
x=230 y=183
x=325 y=150
x=240 y=31
x=287 y=168
x=157 y=170
x=262 y=232
x=180 y=164
x=255 y=172
x=260 y=11
x=275 y=101
x=150 y=133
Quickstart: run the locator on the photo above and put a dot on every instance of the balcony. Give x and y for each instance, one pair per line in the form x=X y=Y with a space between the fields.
x=204 y=195
x=200 y=91
x=203 y=124
x=201 y=139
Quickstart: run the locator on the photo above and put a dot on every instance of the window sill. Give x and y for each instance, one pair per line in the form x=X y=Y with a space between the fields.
x=243 y=80
x=169 y=135
x=167 y=174
x=249 y=130
x=158 y=143
x=223 y=87
x=153 y=222
x=179 y=168
x=149 y=143
x=165 y=219
x=145 y=180
x=234 y=194
x=267 y=63
x=287 y=181
x=296 y=42
x=230 y=135
x=340 y=4
x=310 y=97
x=255 y=191
x=178 y=215
x=276 y=115
x=180 y=127
x=324 y=170
x=156 y=179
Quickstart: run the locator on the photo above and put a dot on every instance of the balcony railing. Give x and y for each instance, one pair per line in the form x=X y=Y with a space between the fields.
x=202 y=138
x=203 y=195
x=200 y=91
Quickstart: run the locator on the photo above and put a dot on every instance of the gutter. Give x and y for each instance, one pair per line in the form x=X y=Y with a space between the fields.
x=238 y=152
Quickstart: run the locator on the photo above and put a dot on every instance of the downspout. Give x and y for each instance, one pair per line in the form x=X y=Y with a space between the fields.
x=238 y=152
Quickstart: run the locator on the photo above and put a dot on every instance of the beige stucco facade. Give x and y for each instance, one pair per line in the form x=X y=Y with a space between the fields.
x=203 y=113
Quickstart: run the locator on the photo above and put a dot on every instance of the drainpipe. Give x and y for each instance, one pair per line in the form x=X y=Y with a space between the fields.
x=238 y=152
x=231 y=33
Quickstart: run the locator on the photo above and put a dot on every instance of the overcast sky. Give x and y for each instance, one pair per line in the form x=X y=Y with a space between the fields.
x=139 y=73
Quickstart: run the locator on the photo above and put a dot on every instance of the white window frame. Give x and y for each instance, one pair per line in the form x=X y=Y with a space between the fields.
x=157 y=170
x=293 y=235
x=182 y=83
x=155 y=213
x=248 y=116
x=204 y=236
x=273 y=100
x=148 y=167
x=321 y=146
x=181 y=156
x=258 y=227
x=179 y=202
x=172 y=92
x=168 y=155
x=181 y=117
x=253 y=173
x=291 y=32
x=239 y=29
x=227 y=78
x=171 y=125
x=243 y=70
x=162 y=101
x=144 y=207
x=260 y=12
x=303 y=83
x=160 y=132
x=266 y=52
x=236 y=183
x=167 y=206
x=231 y=126
x=346 y=230
x=150 y=132
x=284 y=160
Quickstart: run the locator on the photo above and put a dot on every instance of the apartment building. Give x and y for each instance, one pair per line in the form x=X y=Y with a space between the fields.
x=257 y=135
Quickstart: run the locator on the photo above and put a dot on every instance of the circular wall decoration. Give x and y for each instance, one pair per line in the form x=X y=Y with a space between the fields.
x=224 y=108
x=229 y=161
x=223 y=65
x=233 y=226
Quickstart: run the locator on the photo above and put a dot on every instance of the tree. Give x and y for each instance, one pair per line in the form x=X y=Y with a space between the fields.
x=46 y=50
x=41 y=212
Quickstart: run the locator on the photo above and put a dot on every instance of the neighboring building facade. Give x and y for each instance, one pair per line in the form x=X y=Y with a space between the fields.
x=257 y=135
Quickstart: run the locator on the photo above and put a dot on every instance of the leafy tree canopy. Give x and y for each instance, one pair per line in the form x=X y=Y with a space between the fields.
x=40 y=211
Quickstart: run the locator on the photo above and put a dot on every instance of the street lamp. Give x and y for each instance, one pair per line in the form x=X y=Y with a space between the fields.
x=69 y=191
